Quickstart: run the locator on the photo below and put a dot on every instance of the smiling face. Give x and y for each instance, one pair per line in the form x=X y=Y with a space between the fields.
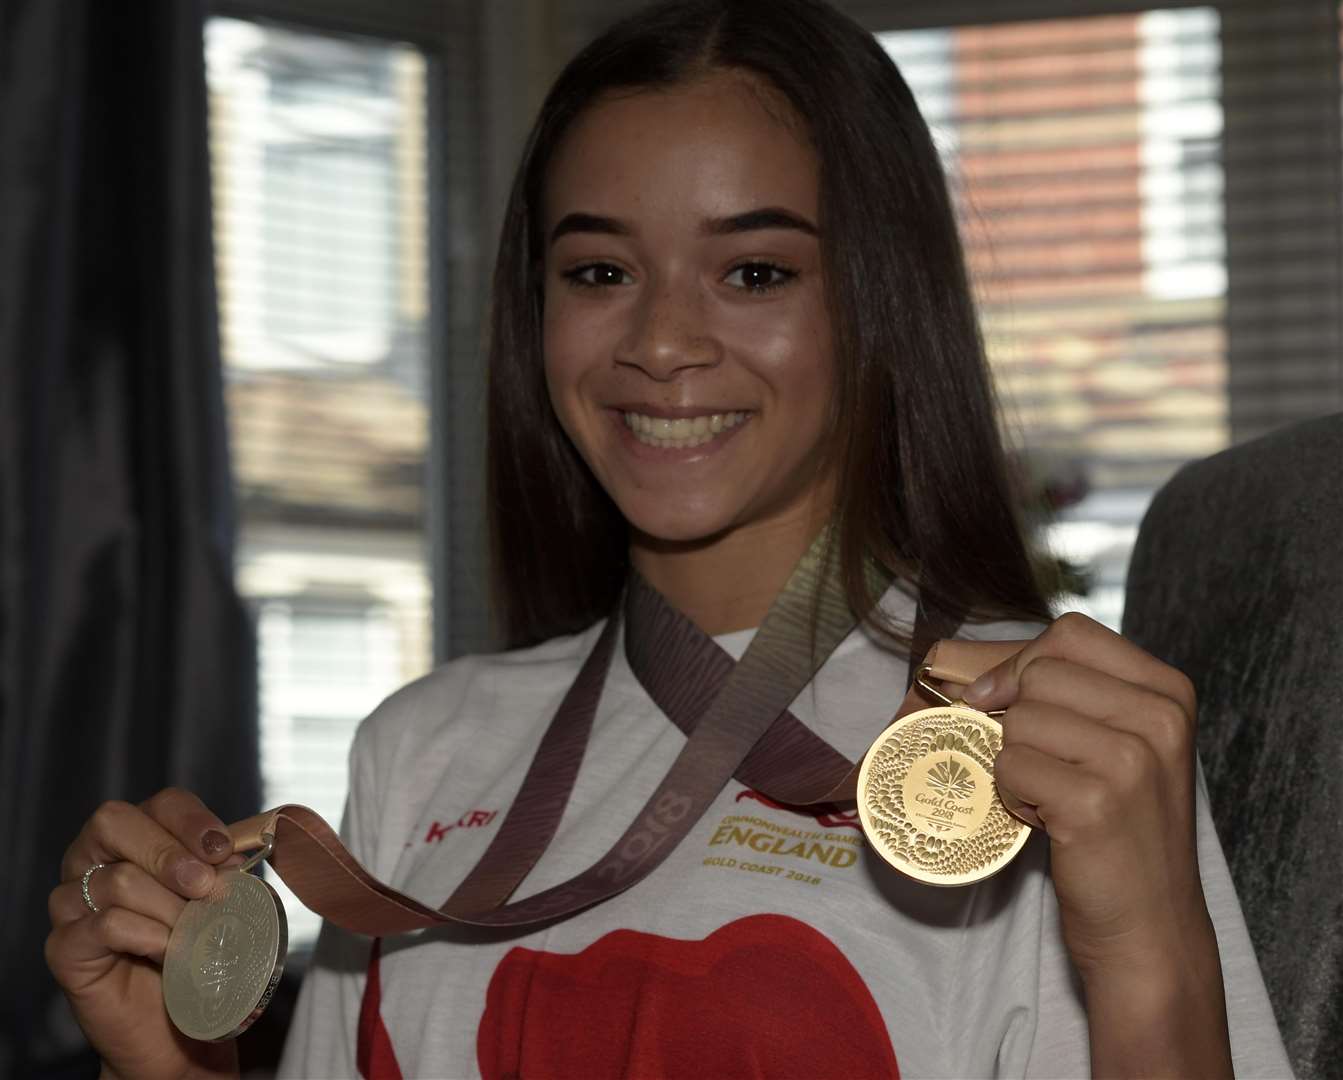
x=687 y=343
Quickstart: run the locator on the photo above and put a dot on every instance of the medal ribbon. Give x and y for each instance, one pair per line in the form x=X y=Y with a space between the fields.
x=790 y=763
x=737 y=722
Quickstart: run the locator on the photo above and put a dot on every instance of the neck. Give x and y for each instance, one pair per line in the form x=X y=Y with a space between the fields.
x=729 y=581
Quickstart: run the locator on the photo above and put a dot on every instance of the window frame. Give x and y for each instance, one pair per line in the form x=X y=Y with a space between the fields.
x=461 y=156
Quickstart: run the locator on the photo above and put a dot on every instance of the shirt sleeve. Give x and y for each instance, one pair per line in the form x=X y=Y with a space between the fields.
x=322 y=1035
x=1061 y=1047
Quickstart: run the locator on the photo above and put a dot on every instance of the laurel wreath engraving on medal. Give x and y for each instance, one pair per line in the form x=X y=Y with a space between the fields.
x=928 y=801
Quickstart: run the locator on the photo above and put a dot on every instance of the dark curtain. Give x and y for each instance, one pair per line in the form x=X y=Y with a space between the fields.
x=126 y=660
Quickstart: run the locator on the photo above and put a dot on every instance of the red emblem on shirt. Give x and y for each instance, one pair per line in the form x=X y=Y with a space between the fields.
x=762 y=996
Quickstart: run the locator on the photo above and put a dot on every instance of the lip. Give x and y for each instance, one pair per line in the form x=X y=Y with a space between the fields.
x=657 y=455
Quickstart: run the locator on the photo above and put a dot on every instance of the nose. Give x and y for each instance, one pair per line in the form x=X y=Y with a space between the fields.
x=668 y=333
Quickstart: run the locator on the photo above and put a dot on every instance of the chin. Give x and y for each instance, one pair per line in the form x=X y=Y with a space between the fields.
x=684 y=528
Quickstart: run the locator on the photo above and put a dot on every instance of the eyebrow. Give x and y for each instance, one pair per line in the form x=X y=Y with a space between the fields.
x=767 y=217
x=588 y=223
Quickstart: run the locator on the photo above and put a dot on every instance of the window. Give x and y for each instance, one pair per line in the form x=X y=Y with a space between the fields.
x=324 y=665
x=320 y=186
x=1086 y=157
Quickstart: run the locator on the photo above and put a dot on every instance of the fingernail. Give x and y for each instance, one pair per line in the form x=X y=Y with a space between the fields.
x=216 y=843
x=981 y=689
x=193 y=876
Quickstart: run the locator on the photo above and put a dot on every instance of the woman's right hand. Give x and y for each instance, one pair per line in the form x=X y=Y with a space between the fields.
x=158 y=855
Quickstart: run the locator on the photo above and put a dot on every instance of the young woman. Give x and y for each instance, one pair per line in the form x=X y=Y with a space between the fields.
x=731 y=316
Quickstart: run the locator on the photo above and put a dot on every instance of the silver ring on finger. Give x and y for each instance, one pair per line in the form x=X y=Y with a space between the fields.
x=84 y=886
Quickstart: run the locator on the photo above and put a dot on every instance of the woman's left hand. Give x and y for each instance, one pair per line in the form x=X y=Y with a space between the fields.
x=1098 y=750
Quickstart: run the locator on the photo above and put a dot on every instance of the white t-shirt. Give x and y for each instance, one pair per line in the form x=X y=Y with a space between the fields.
x=769 y=943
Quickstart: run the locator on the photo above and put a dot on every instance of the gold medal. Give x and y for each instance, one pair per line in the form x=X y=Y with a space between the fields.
x=927 y=799
x=224 y=958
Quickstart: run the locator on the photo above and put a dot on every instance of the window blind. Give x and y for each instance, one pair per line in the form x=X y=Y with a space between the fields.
x=320 y=181
x=1085 y=155
x=1144 y=194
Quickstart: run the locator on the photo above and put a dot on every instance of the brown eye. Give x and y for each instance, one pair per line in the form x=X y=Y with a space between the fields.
x=596 y=276
x=759 y=276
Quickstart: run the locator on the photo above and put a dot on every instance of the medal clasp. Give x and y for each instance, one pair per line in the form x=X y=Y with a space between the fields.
x=261 y=854
x=921 y=677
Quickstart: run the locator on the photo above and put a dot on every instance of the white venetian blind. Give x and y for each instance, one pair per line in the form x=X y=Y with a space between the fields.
x=320 y=188
x=1143 y=196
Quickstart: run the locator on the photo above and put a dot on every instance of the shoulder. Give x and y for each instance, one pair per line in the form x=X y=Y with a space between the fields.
x=898 y=607
x=1000 y=630
x=515 y=683
x=983 y=627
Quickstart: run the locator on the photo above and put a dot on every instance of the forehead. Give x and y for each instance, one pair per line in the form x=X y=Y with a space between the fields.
x=715 y=146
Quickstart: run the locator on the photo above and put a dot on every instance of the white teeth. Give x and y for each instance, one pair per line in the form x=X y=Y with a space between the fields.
x=681 y=433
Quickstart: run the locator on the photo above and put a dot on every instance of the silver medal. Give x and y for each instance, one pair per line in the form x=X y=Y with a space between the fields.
x=225 y=957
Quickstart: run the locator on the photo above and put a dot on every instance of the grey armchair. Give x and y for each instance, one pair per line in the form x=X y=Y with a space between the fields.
x=1237 y=579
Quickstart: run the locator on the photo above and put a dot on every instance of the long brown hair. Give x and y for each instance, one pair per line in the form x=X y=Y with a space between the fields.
x=922 y=482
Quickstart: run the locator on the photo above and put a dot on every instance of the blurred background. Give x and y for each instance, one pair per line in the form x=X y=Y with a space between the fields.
x=245 y=248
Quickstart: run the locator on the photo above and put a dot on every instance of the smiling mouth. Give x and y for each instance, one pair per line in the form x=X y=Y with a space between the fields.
x=683 y=432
